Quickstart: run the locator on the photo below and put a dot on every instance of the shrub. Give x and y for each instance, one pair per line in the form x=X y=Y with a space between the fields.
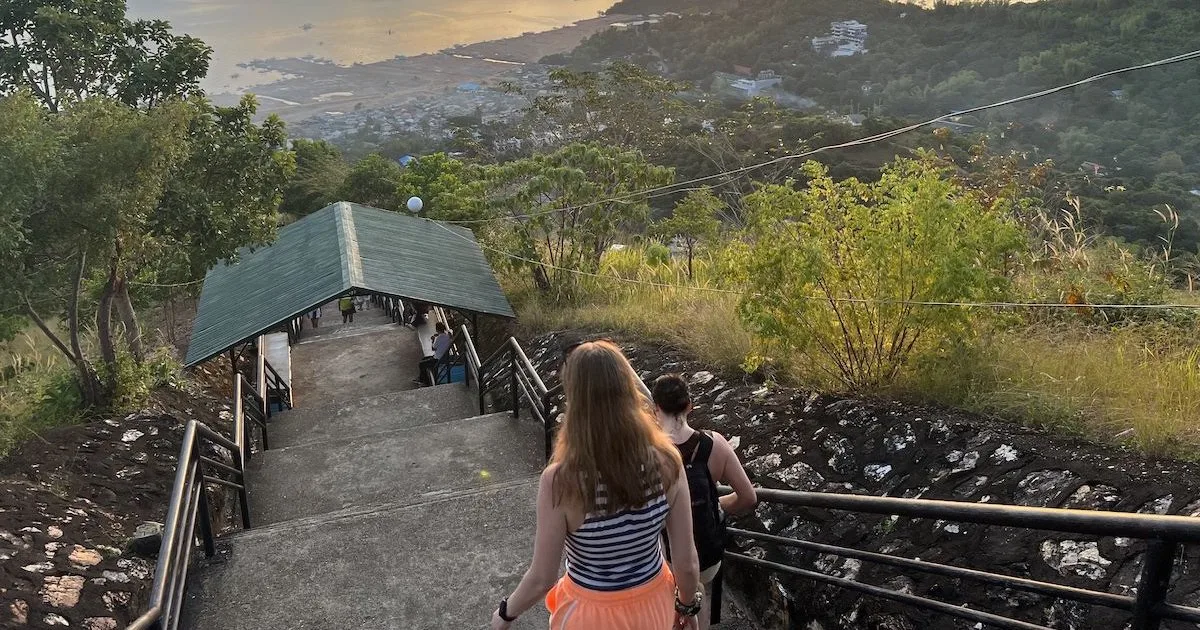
x=833 y=269
x=658 y=254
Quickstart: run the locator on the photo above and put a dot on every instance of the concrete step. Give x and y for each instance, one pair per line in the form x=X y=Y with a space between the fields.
x=392 y=467
x=431 y=565
x=372 y=414
x=362 y=361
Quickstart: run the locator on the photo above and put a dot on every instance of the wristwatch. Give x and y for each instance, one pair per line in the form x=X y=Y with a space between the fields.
x=504 y=611
x=692 y=609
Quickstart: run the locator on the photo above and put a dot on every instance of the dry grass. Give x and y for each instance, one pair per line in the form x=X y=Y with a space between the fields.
x=707 y=326
x=1138 y=385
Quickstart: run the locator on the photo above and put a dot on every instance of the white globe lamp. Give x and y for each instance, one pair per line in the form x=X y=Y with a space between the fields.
x=415 y=204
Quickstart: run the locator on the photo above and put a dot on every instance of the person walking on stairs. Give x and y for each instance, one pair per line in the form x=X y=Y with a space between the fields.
x=708 y=459
x=315 y=316
x=346 y=306
x=615 y=482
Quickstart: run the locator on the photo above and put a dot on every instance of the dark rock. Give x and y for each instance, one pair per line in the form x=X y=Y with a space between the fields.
x=1042 y=488
x=146 y=539
x=805 y=441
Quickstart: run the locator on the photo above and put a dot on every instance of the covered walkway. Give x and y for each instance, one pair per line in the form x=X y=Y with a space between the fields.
x=343 y=249
x=379 y=505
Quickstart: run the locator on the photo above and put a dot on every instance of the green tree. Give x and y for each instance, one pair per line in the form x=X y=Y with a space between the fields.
x=1170 y=162
x=86 y=212
x=623 y=105
x=224 y=196
x=114 y=195
x=28 y=153
x=68 y=50
x=835 y=268
x=451 y=189
x=568 y=207
x=320 y=171
x=373 y=181
x=694 y=221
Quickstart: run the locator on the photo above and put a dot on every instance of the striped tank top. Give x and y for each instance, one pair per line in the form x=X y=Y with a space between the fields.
x=613 y=552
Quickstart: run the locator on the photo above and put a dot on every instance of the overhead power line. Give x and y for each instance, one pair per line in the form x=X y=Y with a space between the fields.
x=670 y=188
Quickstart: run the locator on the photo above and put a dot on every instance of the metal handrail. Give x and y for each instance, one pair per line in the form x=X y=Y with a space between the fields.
x=243 y=391
x=189 y=509
x=1149 y=608
x=507 y=366
x=275 y=383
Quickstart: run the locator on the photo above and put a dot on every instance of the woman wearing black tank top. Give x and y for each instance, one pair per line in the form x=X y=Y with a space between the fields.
x=672 y=404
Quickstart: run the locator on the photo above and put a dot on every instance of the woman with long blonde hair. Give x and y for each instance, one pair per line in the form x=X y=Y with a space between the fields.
x=614 y=484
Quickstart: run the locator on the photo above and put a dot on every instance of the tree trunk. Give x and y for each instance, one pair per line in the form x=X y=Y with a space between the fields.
x=690 y=276
x=73 y=309
x=90 y=390
x=108 y=350
x=171 y=321
x=133 y=332
x=541 y=279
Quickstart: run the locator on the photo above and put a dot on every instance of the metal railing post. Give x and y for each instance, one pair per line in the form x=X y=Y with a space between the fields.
x=513 y=385
x=241 y=431
x=205 y=516
x=261 y=375
x=1155 y=581
x=480 y=395
x=466 y=357
x=549 y=430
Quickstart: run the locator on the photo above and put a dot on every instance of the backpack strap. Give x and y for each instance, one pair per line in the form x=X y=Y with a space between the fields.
x=704 y=449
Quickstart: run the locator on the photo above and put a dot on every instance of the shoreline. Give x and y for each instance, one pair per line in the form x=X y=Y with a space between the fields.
x=311 y=86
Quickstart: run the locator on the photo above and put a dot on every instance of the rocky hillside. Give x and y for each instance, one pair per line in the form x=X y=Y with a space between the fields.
x=81 y=508
x=805 y=441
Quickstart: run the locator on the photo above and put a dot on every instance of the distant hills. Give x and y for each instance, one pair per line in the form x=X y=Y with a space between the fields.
x=1131 y=140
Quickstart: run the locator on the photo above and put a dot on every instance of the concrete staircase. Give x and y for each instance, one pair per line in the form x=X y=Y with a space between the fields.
x=380 y=506
x=388 y=509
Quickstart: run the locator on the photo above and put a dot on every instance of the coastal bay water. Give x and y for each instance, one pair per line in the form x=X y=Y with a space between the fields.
x=348 y=31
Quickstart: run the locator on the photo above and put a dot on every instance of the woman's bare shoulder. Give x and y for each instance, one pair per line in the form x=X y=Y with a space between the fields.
x=550 y=472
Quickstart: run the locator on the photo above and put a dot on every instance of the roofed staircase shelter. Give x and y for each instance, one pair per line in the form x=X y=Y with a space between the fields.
x=335 y=251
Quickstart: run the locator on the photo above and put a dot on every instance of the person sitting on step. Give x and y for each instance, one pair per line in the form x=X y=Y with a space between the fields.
x=440 y=344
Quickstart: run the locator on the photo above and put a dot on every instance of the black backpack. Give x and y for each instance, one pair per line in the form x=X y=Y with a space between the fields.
x=708 y=523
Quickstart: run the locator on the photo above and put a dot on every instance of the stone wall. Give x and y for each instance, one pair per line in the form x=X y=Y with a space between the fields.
x=805 y=441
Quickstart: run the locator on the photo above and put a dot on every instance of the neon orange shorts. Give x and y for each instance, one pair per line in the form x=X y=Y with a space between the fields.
x=650 y=606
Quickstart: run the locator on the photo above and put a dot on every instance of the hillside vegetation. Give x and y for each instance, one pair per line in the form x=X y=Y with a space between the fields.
x=959 y=268
x=922 y=63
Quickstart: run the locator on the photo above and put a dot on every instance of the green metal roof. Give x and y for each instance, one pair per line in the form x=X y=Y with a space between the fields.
x=331 y=252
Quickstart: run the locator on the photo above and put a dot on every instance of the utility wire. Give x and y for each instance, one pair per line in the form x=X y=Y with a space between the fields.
x=670 y=188
x=819 y=298
x=166 y=286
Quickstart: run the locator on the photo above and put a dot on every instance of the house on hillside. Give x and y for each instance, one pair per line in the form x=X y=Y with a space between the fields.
x=851 y=30
x=1093 y=168
x=754 y=87
x=845 y=39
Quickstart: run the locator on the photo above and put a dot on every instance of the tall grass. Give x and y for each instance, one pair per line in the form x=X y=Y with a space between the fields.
x=1137 y=384
x=37 y=389
x=704 y=323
